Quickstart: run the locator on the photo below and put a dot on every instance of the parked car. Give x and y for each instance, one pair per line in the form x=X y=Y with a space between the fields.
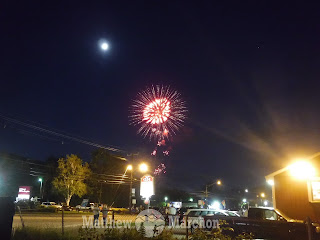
x=266 y=223
x=196 y=216
x=86 y=208
x=50 y=204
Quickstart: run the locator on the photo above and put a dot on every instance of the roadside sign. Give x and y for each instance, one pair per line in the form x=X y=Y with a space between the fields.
x=147 y=186
x=24 y=192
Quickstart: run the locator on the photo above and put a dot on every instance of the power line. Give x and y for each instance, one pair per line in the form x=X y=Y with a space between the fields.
x=36 y=170
x=58 y=134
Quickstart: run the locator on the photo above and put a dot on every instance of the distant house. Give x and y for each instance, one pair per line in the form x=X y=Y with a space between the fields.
x=297 y=197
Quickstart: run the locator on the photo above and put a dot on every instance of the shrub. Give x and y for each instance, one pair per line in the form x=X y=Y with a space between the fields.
x=26 y=204
x=119 y=234
x=41 y=234
x=223 y=233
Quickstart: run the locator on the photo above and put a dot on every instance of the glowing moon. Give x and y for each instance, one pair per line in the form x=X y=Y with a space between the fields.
x=104 y=46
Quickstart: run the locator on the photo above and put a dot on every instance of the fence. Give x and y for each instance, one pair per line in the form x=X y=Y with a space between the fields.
x=69 y=219
x=62 y=221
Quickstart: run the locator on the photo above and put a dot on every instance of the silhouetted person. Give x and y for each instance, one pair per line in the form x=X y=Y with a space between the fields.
x=6 y=217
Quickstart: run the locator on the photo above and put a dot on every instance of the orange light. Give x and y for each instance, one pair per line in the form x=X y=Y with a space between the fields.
x=302 y=170
x=143 y=167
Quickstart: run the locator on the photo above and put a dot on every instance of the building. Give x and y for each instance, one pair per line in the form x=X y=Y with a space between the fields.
x=296 y=190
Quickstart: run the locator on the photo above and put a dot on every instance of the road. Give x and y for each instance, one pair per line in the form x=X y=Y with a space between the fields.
x=73 y=221
x=54 y=220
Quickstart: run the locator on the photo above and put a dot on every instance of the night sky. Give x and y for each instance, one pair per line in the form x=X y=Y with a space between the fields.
x=249 y=72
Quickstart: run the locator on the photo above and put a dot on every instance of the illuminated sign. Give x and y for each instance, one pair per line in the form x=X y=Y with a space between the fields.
x=24 y=192
x=147 y=186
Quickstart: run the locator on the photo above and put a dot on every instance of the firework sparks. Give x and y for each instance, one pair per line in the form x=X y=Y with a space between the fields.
x=162 y=143
x=160 y=169
x=159 y=112
x=166 y=153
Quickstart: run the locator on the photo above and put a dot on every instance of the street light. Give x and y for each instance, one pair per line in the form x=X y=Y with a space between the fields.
x=191 y=199
x=165 y=199
x=270 y=182
x=244 y=200
x=209 y=185
x=302 y=170
x=216 y=205
x=40 y=180
x=262 y=195
x=143 y=167
x=246 y=190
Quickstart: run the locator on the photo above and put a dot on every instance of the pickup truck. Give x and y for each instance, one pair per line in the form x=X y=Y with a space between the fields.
x=265 y=223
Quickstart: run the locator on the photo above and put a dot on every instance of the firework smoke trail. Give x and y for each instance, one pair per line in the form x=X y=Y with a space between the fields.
x=159 y=112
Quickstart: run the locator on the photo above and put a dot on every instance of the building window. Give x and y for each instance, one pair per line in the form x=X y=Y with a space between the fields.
x=314 y=190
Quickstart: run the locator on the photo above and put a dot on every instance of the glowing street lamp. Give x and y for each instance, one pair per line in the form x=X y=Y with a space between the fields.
x=244 y=200
x=191 y=199
x=262 y=195
x=218 y=183
x=246 y=190
x=40 y=180
x=270 y=182
x=143 y=167
x=165 y=199
x=129 y=167
x=216 y=205
x=302 y=170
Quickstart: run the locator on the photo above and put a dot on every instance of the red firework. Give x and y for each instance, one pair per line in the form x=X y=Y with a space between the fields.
x=158 y=111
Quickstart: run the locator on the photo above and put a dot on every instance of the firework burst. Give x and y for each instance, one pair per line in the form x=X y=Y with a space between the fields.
x=158 y=111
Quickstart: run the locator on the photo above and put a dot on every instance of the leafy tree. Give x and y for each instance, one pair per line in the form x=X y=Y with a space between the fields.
x=102 y=164
x=71 y=176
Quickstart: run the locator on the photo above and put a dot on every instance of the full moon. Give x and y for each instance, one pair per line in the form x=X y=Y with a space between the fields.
x=104 y=46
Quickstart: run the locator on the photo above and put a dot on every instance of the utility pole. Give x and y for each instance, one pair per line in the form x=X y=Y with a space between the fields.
x=206 y=191
x=130 y=193
x=130 y=168
x=209 y=185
